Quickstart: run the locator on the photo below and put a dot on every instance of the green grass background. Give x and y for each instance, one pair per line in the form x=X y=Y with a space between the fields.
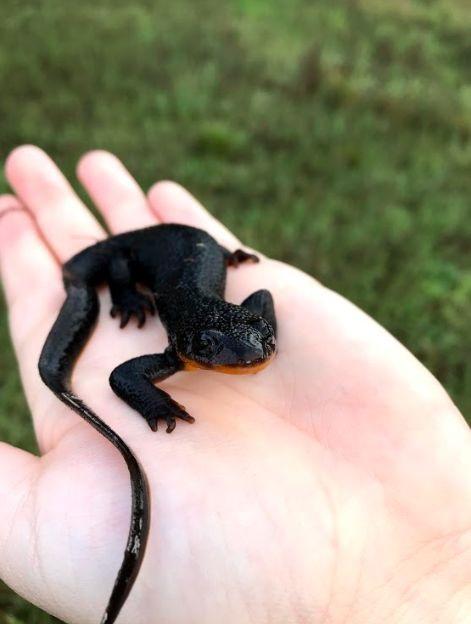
x=332 y=135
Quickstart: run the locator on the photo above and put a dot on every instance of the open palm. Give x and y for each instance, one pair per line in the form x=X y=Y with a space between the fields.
x=334 y=486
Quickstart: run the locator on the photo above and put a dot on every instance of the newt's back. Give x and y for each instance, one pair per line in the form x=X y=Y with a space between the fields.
x=173 y=256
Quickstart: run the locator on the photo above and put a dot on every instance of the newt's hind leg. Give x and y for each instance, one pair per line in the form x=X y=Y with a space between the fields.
x=239 y=256
x=127 y=300
x=132 y=382
x=261 y=302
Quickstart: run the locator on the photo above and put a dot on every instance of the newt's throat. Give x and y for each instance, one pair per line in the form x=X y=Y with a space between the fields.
x=231 y=369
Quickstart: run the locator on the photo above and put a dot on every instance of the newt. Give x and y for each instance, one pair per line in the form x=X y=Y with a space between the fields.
x=180 y=272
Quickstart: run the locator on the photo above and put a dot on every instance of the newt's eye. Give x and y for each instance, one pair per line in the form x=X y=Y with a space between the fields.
x=205 y=345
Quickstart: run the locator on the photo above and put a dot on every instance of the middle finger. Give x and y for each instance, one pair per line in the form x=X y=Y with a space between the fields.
x=115 y=192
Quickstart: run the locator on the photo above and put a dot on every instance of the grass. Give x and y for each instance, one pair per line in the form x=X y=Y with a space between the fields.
x=335 y=136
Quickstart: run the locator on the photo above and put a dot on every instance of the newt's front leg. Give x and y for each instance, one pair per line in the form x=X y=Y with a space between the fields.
x=132 y=382
x=261 y=302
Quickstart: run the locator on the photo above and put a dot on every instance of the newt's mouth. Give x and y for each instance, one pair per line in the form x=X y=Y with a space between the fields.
x=246 y=368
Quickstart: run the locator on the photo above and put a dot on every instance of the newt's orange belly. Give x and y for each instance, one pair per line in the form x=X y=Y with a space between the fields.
x=242 y=369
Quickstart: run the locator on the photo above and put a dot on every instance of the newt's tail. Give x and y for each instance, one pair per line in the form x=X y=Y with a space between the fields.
x=63 y=345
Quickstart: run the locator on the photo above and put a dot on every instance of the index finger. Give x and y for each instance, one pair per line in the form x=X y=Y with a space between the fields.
x=31 y=280
x=64 y=221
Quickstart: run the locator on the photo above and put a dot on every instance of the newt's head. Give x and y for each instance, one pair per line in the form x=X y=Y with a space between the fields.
x=236 y=342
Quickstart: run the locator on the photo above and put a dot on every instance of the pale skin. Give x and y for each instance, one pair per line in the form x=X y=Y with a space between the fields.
x=332 y=487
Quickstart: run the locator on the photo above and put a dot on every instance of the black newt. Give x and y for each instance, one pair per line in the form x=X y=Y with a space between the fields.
x=184 y=271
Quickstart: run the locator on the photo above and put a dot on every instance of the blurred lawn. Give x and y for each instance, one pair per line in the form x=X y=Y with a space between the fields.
x=335 y=136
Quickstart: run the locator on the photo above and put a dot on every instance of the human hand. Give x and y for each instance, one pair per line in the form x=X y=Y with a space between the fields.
x=334 y=486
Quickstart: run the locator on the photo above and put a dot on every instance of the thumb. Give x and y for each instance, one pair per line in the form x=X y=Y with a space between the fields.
x=18 y=473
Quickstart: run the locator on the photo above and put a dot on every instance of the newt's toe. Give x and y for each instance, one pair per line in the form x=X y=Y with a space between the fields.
x=153 y=423
x=171 y=424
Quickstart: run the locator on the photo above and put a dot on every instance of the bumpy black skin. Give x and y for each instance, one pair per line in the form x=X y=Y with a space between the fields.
x=184 y=272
